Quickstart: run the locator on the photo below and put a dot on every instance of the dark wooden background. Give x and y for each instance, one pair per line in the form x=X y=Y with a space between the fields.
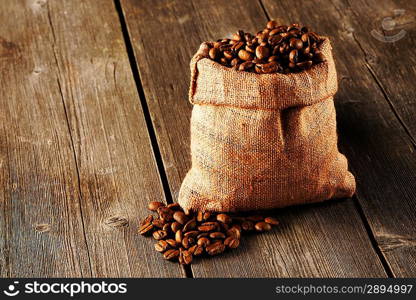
x=94 y=123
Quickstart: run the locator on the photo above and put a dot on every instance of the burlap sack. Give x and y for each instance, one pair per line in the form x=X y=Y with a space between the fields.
x=262 y=141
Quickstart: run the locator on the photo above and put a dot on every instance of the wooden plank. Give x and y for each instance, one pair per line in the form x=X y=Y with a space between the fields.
x=393 y=64
x=380 y=151
x=319 y=240
x=118 y=173
x=41 y=231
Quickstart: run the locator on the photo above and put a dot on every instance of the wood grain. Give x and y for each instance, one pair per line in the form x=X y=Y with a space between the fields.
x=380 y=152
x=322 y=240
x=117 y=170
x=41 y=231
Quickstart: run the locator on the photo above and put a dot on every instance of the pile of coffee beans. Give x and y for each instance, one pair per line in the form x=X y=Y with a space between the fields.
x=183 y=235
x=275 y=49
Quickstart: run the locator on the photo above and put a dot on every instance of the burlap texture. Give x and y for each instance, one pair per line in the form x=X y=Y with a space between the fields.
x=262 y=141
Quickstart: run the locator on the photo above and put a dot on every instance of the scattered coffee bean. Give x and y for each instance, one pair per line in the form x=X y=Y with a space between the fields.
x=291 y=49
x=216 y=248
x=161 y=246
x=182 y=235
x=262 y=226
x=180 y=217
x=232 y=242
x=271 y=220
x=185 y=257
x=171 y=254
x=154 y=205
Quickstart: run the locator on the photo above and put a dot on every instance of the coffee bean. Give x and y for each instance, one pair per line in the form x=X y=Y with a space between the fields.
x=178 y=236
x=247 y=226
x=304 y=64
x=208 y=226
x=188 y=242
x=262 y=52
x=159 y=234
x=214 y=53
x=199 y=216
x=270 y=67
x=161 y=246
x=196 y=250
x=171 y=254
x=271 y=220
x=185 y=257
x=190 y=225
x=246 y=66
x=158 y=223
x=180 y=217
x=293 y=56
x=231 y=242
x=234 y=232
x=174 y=206
x=146 y=229
x=245 y=55
x=262 y=226
x=318 y=56
x=172 y=243
x=147 y=220
x=192 y=234
x=215 y=249
x=296 y=43
x=175 y=226
x=217 y=235
x=154 y=205
x=203 y=241
x=271 y=24
x=203 y=234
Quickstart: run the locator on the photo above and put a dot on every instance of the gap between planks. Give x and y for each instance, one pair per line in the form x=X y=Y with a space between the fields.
x=187 y=270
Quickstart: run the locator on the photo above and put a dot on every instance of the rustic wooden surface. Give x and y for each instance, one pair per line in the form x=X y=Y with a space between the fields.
x=95 y=123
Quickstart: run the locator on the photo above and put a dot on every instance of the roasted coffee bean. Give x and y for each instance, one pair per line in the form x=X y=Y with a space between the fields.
x=192 y=234
x=271 y=221
x=196 y=250
x=172 y=243
x=171 y=254
x=154 y=205
x=158 y=223
x=304 y=64
x=190 y=225
x=231 y=242
x=228 y=55
x=188 y=242
x=234 y=232
x=217 y=235
x=262 y=226
x=216 y=248
x=214 y=53
x=262 y=52
x=246 y=66
x=296 y=43
x=175 y=226
x=166 y=227
x=203 y=234
x=318 y=56
x=165 y=214
x=185 y=257
x=271 y=24
x=146 y=229
x=161 y=246
x=270 y=67
x=147 y=220
x=203 y=241
x=208 y=226
x=178 y=236
x=180 y=217
x=245 y=55
x=159 y=234
x=247 y=226
x=293 y=56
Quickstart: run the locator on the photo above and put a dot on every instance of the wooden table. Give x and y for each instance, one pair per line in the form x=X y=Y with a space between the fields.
x=95 y=123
